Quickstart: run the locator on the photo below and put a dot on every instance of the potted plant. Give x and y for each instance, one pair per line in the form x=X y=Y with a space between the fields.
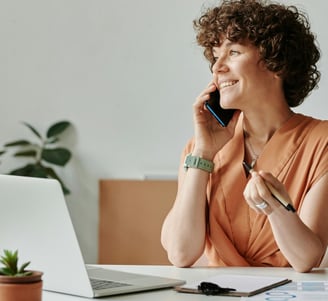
x=41 y=153
x=17 y=283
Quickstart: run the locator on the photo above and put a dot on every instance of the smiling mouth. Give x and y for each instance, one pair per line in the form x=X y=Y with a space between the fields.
x=227 y=84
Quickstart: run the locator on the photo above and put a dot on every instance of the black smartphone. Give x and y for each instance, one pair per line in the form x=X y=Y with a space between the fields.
x=223 y=116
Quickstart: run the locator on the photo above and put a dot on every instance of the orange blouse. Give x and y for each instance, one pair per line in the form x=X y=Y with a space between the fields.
x=237 y=236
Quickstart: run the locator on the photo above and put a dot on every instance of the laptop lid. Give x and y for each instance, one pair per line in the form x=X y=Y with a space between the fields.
x=35 y=221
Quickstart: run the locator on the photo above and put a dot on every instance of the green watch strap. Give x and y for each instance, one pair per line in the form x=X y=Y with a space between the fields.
x=198 y=162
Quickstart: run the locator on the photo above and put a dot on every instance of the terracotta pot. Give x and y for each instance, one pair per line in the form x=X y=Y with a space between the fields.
x=26 y=288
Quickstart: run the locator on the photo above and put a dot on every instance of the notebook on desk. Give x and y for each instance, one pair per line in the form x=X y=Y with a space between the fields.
x=35 y=220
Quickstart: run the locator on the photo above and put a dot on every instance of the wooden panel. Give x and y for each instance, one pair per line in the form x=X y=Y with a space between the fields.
x=131 y=216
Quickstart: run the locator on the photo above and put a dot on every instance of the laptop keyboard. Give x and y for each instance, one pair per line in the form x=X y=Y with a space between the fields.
x=98 y=284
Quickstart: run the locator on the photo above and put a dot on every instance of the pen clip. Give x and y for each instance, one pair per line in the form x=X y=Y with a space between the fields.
x=247 y=167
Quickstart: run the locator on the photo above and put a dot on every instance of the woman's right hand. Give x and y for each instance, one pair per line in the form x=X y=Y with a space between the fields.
x=210 y=136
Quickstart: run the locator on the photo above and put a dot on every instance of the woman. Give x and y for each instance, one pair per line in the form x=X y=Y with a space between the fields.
x=263 y=60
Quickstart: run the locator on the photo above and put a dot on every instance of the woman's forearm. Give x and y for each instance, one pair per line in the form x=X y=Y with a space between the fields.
x=183 y=231
x=301 y=247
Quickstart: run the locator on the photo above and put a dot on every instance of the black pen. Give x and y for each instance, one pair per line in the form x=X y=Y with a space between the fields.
x=274 y=192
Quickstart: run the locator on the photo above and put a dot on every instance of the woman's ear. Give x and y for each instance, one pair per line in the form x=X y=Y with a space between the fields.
x=277 y=75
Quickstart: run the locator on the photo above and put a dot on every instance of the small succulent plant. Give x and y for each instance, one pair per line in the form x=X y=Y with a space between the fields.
x=10 y=265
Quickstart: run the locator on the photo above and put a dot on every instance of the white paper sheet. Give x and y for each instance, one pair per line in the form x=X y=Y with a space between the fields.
x=300 y=291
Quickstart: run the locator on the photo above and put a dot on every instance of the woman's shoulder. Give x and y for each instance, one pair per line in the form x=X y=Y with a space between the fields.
x=315 y=136
x=317 y=127
x=320 y=128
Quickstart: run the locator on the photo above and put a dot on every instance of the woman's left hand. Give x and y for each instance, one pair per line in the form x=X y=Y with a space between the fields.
x=258 y=195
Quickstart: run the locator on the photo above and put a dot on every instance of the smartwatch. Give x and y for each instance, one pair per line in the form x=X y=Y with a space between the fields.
x=198 y=162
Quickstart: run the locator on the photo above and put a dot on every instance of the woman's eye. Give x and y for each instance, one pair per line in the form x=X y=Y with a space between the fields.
x=234 y=52
x=214 y=59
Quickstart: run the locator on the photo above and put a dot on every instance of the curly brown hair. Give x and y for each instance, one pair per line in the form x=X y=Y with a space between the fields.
x=281 y=33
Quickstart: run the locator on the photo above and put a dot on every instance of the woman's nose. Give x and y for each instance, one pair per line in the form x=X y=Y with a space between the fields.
x=219 y=65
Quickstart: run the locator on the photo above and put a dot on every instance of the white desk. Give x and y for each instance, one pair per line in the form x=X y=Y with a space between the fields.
x=191 y=274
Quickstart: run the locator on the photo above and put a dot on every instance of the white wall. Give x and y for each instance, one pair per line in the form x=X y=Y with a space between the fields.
x=125 y=73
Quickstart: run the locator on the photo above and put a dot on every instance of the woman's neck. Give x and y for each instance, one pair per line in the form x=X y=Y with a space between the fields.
x=260 y=128
x=258 y=131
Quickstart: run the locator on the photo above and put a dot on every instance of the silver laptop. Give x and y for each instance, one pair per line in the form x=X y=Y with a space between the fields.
x=35 y=221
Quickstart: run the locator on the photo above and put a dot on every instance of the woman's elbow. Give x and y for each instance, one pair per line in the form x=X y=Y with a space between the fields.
x=306 y=266
x=303 y=268
x=181 y=259
x=182 y=253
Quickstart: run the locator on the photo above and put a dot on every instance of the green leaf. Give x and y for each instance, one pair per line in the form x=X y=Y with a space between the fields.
x=66 y=191
x=33 y=130
x=53 y=175
x=57 y=128
x=24 y=274
x=52 y=140
x=30 y=170
x=21 y=270
x=6 y=271
x=58 y=156
x=2 y=152
x=27 y=153
x=38 y=171
x=18 y=143
x=22 y=171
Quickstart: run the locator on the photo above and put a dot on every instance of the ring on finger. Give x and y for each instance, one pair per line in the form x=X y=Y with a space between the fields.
x=262 y=205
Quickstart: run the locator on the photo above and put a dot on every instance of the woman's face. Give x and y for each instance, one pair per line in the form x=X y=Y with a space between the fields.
x=241 y=76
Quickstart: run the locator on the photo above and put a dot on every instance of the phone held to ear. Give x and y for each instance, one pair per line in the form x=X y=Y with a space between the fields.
x=223 y=116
